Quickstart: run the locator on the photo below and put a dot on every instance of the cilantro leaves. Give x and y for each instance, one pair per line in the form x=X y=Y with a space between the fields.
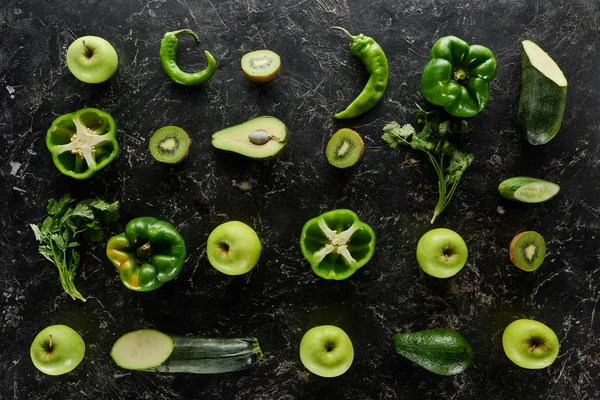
x=60 y=232
x=433 y=141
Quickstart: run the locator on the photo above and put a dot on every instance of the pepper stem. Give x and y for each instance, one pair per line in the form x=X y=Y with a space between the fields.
x=339 y=28
x=188 y=31
x=144 y=251
x=459 y=74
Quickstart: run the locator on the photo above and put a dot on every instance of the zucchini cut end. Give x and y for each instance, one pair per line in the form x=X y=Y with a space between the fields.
x=536 y=192
x=541 y=61
x=142 y=349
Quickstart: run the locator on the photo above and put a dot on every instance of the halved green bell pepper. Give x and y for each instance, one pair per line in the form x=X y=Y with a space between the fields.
x=337 y=243
x=457 y=76
x=149 y=253
x=82 y=142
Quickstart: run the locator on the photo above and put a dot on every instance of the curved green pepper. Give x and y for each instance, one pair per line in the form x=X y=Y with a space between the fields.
x=82 y=142
x=149 y=253
x=337 y=243
x=168 y=51
x=374 y=59
x=457 y=76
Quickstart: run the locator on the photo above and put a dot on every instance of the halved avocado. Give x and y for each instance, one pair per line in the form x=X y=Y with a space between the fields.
x=259 y=138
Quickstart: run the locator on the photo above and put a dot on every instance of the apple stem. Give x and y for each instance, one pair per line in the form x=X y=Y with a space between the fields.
x=50 y=345
x=88 y=53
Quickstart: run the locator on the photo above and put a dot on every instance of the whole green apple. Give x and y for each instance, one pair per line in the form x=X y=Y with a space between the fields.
x=57 y=350
x=326 y=351
x=92 y=59
x=233 y=248
x=442 y=253
x=530 y=344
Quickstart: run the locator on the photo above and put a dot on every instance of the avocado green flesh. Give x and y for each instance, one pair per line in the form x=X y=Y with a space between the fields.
x=236 y=138
x=442 y=351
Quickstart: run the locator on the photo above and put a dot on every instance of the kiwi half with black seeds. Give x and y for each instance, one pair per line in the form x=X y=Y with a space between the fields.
x=345 y=148
x=169 y=144
x=261 y=65
x=528 y=250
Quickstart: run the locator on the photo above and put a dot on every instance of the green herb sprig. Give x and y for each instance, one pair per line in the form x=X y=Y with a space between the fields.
x=60 y=232
x=449 y=162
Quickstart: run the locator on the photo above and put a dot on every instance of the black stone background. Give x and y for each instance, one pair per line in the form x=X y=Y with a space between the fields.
x=393 y=191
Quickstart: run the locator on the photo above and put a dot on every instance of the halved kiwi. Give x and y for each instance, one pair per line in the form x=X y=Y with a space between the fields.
x=345 y=148
x=170 y=144
x=527 y=250
x=261 y=65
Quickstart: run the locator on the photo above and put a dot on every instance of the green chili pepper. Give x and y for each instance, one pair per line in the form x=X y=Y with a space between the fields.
x=168 y=50
x=82 y=142
x=373 y=57
x=457 y=76
x=149 y=253
x=337 y=243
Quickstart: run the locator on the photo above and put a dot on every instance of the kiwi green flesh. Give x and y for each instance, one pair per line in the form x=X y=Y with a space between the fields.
x=169 y=144
x=237 y=138
x=528 y=250
x=261 y=65
x=345 y=148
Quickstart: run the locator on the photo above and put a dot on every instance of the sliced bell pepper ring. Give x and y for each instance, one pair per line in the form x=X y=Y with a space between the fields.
x=149 y=253
x=457 y=76
x=82 y=142
x=337 y=243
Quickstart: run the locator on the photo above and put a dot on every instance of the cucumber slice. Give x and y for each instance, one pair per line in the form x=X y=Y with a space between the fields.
x=142 y=349
x=527 y=189
x=543 y=95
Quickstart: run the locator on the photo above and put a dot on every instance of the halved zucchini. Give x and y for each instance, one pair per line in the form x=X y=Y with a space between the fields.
x=154 y=351
x=142 y=349
x=527 y=189
x=543 y=95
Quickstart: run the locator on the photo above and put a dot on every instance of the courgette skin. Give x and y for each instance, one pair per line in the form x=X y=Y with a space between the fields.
x=442 y=350
x=509 y=187
x=201 y=355
x=541 y=104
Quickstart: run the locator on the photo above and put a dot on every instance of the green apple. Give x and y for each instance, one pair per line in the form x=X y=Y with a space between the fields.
x=441 y=253
x=530 y=344
x=92 y=59
x=57 y=350
x=233 y=248
x=326 y=351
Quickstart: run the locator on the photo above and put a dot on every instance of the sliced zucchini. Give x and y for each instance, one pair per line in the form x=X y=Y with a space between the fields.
x=543 y=95
x=142 y=349
x=527 y=189
x=192 y=354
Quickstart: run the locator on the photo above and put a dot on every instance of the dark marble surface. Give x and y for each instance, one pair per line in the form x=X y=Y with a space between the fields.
x=394 y=191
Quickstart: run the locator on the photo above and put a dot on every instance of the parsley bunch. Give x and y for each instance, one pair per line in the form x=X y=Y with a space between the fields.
x=449 y=162
x=60 y=232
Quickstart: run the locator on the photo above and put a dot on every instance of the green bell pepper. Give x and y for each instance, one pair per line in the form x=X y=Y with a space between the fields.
x=149 y=253
x=82 y=142
x=457 y=76
x=337 y=243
